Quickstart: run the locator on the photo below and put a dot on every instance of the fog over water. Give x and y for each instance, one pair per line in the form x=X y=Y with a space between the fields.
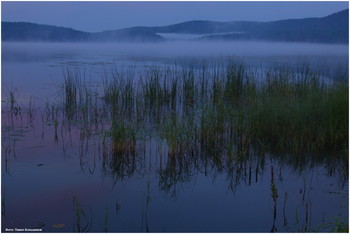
x=35 y=67
x=23 y=51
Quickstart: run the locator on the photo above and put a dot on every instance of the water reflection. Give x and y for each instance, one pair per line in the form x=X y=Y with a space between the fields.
x=171 y=126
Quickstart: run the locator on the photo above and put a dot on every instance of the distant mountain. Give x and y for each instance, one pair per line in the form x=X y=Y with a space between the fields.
x=23 y=31
x=37 y=32
x=330 y=29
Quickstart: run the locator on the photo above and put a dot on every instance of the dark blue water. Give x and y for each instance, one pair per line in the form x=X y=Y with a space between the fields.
x=57 y=180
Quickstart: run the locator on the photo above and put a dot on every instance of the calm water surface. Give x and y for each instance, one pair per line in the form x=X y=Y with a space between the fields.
x=57 y=180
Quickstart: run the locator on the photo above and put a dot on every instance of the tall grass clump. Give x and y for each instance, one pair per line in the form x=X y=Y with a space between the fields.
x=179 y=134
x=70 y=91
x=119 y=146
x=214 y=116
x=123 y=138
x=301 y=116
x=120 y=93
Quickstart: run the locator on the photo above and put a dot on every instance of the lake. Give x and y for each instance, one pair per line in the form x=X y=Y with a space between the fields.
x=151 y=138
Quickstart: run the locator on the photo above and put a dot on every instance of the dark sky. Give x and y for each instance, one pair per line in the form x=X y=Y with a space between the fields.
x=99 y=16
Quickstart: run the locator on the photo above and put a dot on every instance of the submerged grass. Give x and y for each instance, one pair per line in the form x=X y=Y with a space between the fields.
x=82 y=222
x=216 y=118
x=218 y=113
x=339 y=225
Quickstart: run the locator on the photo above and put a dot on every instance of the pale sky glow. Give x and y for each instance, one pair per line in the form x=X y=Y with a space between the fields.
x=98 y=16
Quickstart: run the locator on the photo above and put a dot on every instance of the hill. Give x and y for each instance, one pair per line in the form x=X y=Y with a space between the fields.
x=23 y=31
x=330 y=29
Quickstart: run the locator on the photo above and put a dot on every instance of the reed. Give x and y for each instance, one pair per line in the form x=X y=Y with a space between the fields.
x=211 y=116
x=70 y=90
x=82 y=222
